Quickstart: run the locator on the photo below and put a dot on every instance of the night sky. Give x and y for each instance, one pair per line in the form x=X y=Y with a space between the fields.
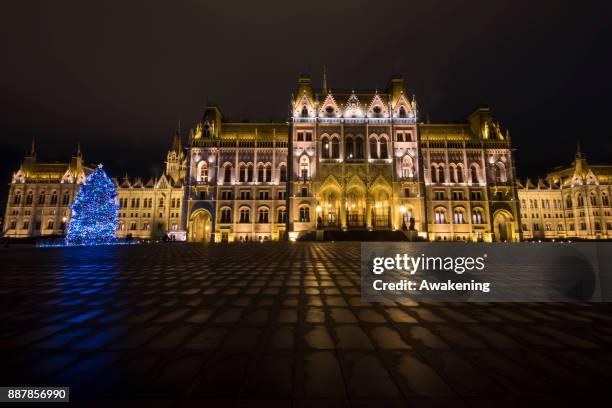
x=118 y=77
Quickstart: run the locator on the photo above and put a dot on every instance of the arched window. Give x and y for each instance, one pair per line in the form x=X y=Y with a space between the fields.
x=452 y=173
x=477 y=216
x=41 y=197
x=373 y=148
x=226 y=215
x=441 y=178
x=459 y=171
x=54 y=198
x=268 y=173
x=580 y=200
x=474 y=174
x=304 y=111
x=349 y=148
x=402 y=112
x=243 y=173
x=304 y=214
x=244 y=215
x=605 y=201
x=250 y=168
x=384 y=154
x=568 y=202
x=304 y=167
x=434 y=174
x=203 y=172
x=281 y=216
x=407 y=169
x=499 y=172
x=29 y=198
x=440 y=216
x=593 y=200
x=260 y=173
x=227 y=173
x=335 y=148
x=325 y=148
x=458 y=217
x=359 y=148
x=283 y=173
x=17 y=198
x=263 y=216
x=65 y=198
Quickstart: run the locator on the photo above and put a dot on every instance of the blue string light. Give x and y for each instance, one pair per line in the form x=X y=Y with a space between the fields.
x=94 y=212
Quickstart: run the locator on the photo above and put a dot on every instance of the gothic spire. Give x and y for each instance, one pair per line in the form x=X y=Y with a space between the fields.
x=177 y=145
x=324 y=80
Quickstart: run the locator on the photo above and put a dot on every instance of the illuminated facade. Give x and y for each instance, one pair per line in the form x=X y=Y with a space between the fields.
x=571 y=202
x=347 y=161
x=40 y=196
x=343 y=161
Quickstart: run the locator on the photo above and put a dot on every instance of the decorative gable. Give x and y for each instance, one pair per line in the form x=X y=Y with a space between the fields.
x=404 y=108
x=353 y=107
x=304 y=107
x=377 y=108
x=329 y=107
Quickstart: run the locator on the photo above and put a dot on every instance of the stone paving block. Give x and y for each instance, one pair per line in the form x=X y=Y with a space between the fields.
x=280 y=324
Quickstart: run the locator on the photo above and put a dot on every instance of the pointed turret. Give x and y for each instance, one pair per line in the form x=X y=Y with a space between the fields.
x=580 y=162
x=177 y=144
x=324 y=80
x=175 y=160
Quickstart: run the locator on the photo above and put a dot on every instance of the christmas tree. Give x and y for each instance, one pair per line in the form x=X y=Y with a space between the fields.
x=94 y=212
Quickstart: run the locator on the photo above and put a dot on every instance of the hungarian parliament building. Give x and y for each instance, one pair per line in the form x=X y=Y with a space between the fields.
x=345 y=164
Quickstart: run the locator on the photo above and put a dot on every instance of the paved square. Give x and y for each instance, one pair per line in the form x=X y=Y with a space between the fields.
x=279 y=324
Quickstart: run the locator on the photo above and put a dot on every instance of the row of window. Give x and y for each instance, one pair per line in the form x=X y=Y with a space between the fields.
x=263 y=216
x=570 y=227
x=42 y=198
x=145 y=226
x=330 y=148
x=458 y=216
x=37 y=225
x=458 y=195
x=245 y=173
x=246 y=195
x=148 y=202
x=533 y=203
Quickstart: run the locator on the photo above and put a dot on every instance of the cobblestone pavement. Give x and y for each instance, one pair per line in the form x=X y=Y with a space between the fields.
x=279 y=325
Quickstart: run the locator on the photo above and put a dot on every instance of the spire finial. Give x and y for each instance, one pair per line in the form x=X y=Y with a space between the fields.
x=78 y=152
x=324 y=79
x=578 y=150
x=33 y=149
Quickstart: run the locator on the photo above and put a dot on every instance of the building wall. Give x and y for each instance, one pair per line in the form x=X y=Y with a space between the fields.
x=574 y=202
x=345 y=160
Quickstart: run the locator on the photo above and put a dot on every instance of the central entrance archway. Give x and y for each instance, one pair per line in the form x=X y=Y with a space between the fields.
x=200 y=226
x=502 y=226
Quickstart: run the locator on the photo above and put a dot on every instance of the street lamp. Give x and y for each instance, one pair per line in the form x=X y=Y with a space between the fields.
x=319 y=219
x=403 y=212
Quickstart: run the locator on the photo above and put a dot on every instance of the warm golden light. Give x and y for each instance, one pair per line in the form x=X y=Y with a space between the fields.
x=402 y=209
x=318 y=208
